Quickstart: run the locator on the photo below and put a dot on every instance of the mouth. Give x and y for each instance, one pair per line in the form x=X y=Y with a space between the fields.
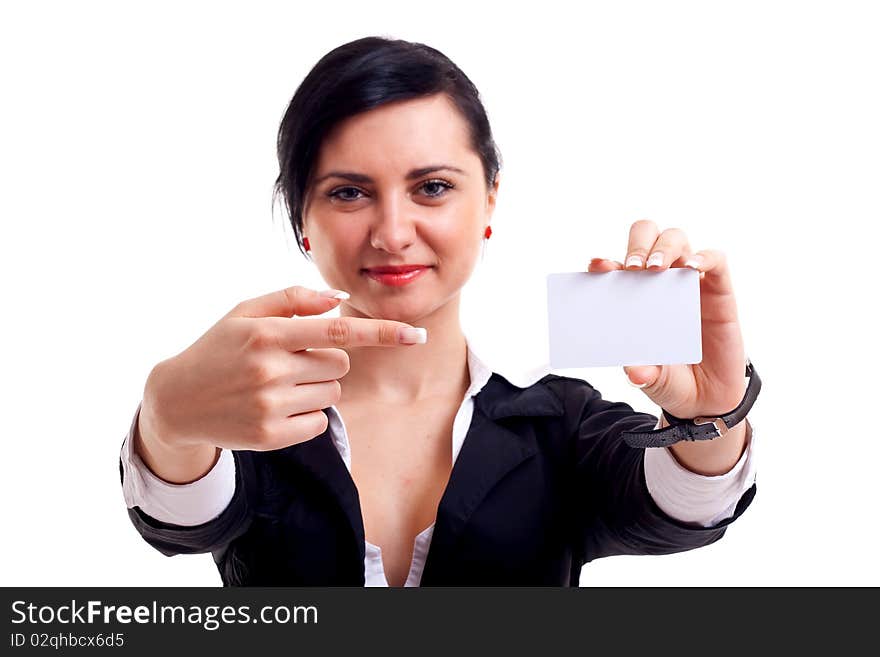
x=397 y=275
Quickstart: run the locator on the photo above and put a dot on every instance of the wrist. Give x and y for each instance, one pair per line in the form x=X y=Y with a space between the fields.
x=174 y=464
x=711 y=458
x=701 y=428
x=173 y=460
x=154 y=426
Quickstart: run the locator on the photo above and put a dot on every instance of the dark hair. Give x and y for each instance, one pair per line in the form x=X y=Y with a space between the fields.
x=359 y=76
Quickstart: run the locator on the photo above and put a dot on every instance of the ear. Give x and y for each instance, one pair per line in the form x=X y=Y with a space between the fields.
x=492 y=196
x=305 y=217
x=308 y=197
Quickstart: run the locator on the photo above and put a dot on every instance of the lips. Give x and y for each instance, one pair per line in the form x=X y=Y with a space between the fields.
x=399 y=269
x=397 y=276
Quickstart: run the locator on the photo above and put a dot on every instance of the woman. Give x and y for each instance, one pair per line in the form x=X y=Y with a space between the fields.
x=321 y=451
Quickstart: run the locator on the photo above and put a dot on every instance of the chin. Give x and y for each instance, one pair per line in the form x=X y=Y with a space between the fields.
x=407 y=312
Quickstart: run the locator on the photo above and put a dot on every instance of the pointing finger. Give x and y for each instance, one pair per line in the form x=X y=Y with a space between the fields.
x=340 y=332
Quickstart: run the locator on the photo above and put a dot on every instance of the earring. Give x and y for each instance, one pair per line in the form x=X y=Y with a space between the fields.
x=488 y=232
x=306 y=244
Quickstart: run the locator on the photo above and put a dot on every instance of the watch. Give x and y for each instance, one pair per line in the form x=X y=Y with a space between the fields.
x=698 y=428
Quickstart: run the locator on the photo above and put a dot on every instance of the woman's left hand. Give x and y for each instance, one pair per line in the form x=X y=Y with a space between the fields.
x=717 y=384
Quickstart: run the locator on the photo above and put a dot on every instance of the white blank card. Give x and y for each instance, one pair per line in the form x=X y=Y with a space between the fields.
x=624 y=318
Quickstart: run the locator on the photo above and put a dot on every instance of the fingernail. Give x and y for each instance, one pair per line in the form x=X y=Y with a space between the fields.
x=409 y=335
x=694 y=262
x=335 y=294
x=656 y=259
x=634 y=261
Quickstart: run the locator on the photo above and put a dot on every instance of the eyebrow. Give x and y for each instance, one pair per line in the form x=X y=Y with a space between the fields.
x=412 y=175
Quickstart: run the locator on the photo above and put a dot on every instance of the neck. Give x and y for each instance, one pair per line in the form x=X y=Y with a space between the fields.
x=409 y=374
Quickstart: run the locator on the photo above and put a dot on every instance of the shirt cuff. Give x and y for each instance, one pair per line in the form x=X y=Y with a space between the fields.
x=693 y=498
x=189 y=504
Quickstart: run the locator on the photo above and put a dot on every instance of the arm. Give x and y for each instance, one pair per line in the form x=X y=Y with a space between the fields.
x=197 y=517
x=694 y=498
x=616 y=512
x=187 y=504
x=173 y=462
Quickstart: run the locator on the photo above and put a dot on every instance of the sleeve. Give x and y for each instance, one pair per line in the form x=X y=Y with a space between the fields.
x=616 y=513
x=179 y=504
x=202 y=516
x=695 y=498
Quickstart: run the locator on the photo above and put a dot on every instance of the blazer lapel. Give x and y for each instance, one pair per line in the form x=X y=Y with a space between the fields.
x=320 y=458
x=489 y=452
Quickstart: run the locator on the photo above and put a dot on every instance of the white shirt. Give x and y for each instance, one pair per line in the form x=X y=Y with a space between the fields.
x=680 y=493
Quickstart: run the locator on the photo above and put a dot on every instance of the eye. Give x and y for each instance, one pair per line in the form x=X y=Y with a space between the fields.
x=344 y=193
x=436 y=188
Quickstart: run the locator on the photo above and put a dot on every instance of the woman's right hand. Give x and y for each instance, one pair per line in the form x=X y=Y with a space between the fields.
x=256 y=380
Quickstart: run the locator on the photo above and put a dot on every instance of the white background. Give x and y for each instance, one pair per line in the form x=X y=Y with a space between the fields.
x=136 y=165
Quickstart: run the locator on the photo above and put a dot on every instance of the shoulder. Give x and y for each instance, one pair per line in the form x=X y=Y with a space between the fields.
x=546 y=394
x=569 y=389
x=573 y=405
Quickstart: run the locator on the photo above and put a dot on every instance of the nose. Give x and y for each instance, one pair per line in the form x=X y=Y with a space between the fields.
x=394 y=227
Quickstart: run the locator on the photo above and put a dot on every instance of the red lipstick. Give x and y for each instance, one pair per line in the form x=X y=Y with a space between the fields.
x=396 y=276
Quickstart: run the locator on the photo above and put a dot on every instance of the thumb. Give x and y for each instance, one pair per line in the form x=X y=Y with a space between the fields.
x=290 y=301
x=642 y=376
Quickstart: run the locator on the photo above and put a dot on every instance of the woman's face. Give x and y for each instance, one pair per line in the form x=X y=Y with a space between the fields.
x=398 y=185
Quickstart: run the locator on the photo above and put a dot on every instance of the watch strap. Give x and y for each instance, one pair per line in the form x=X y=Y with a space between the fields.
x=698 y=428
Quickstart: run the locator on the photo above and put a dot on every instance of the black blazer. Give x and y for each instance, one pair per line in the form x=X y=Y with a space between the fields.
x=543 y=484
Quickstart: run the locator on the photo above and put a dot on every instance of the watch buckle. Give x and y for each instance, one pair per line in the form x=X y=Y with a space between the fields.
x=720 y=428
